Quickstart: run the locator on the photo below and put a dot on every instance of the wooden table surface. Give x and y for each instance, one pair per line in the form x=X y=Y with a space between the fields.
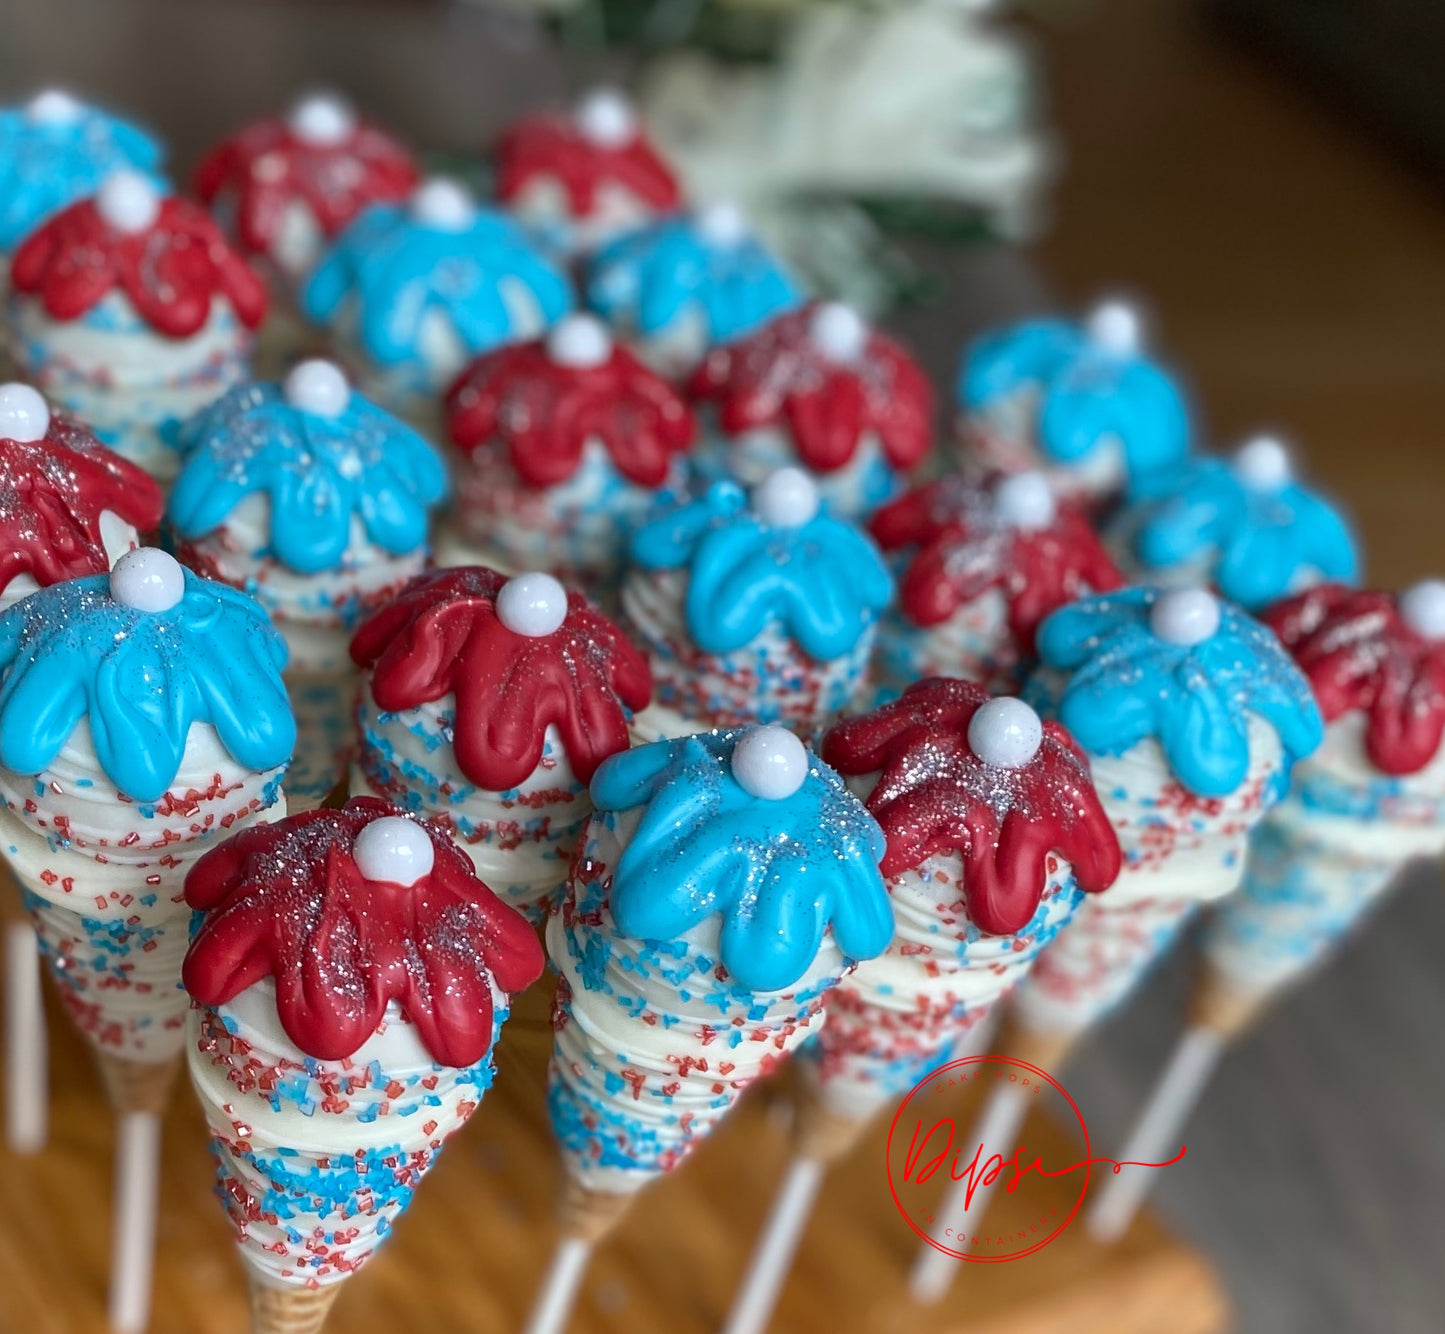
x=467 y=1257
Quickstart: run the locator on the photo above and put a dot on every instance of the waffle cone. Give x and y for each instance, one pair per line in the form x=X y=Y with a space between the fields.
x=291 y=1310
x=137 y=1086
x=589 y=1215
x=1221 y=1005
x=819 y=1132
x=1047 y=1051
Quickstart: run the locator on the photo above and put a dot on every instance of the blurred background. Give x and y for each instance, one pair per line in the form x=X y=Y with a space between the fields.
x=1262 y=177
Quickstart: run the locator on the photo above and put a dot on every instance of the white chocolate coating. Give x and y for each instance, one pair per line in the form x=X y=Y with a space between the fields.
x=318 y=612
x=104 y=879
x=130 y=384
x=649 y=1040
x=324 y=1154
x=520 y=841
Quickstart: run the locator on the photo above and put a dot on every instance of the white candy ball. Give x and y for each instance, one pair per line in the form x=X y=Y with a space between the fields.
x=838 y=332
x=1423 y=607
x=1005 y=732
x=1262 y=464
x=532 y=604
x=770 y=763
x=24 y=413
x=787 y=498
x=54 y=106
x=1025 y=501
x=723 y=224
x=394 y=851
x=606 y=118
x=148 y=579
x=443 y=204
x=1185 y=616
x=322 y=120
x=579 y=341
x=128 y=201
x=1115 y=327
x=318 y=387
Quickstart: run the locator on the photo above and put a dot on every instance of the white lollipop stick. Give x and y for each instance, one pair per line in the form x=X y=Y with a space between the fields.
x=1155 y=1136
x=560 y=1287
x=26 y=1102
x=133 y=1226
x=773 y=1258
x=1003 y=1114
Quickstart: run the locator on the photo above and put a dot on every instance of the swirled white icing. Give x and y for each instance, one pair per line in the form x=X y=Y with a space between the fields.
x=103 y=876
x=520 y=841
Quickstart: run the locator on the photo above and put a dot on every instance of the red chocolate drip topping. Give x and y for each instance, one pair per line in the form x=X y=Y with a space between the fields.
x=1359 y=653
x=170 y=272
x=545 y=413
x=269 y=167
x=964 y=550
x=934 y=795
x=442 y=636
x=287 y=901
x=551 y=145
x=778 y=377
x=52 y=494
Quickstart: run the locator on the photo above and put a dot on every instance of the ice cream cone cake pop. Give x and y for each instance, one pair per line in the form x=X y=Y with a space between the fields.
x=816 y=388
x=351 y=975
x=286 y=187
x=1371 y=799
x=68 y=508
x=583 y=179
x=688 y=283
x=488 y=703
x=1082 y=402
x=1192 y=715
x=142 y=716
x=754 y=609
x=68 y=505
x=569 y=443
x=54 y=151
x=411 y=291
x=315 y=502
x=132 y=311
x=727 y=881
x=1247 y=526
x=986 y=563
x=994 y=834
